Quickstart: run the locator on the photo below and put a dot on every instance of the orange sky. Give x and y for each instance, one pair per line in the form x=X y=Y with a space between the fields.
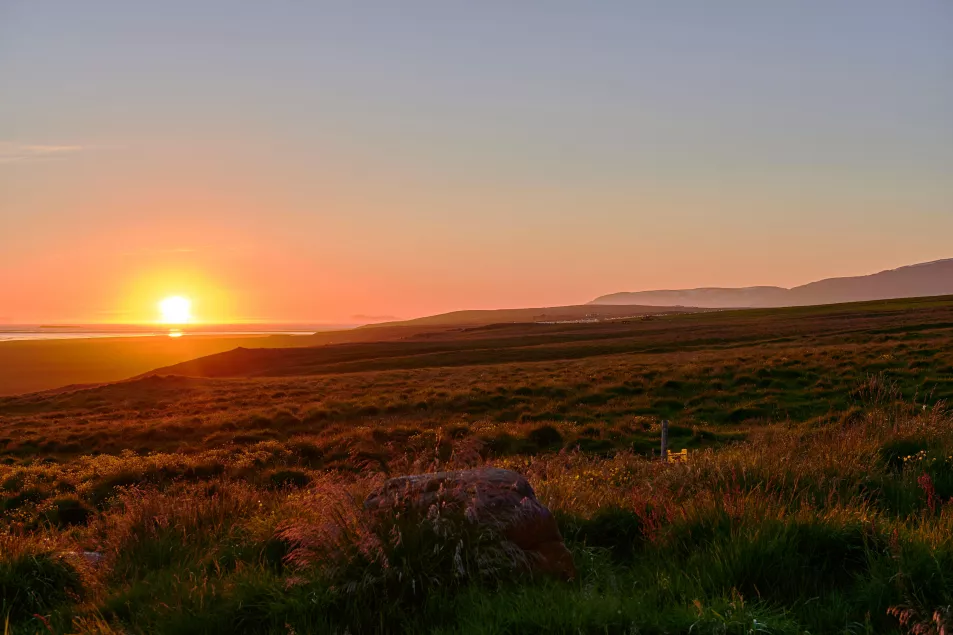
x=126 y=247
x=325 y=164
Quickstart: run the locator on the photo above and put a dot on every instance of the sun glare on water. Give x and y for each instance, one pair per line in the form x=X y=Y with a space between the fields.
x=175 y=309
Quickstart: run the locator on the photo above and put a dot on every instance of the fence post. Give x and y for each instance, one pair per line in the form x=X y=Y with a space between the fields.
x=664 y=440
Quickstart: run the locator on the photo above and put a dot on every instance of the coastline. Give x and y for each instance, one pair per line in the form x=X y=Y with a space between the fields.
x=33 y=365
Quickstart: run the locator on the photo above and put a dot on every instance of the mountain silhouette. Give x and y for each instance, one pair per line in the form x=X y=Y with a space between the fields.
x=924 y=279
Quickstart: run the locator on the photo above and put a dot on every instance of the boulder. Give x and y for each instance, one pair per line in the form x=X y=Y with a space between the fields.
x=500 y=499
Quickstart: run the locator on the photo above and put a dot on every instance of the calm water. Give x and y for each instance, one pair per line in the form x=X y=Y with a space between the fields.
x=10 y=332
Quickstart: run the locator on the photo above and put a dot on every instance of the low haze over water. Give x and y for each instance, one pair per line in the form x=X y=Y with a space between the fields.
x=82 y=331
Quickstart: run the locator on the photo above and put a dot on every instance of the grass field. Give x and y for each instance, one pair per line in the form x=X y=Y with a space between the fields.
x=223 y=495
x=34 y=365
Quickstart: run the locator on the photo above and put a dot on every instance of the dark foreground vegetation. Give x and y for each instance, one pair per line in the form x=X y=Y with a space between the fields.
x=816 y=498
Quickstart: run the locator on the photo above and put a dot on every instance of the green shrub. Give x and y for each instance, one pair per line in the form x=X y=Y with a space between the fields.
x=594 y=446
x=67 y=512
x=895 y=452
x=109 y=486
x=504 y=444
x=273 y=553
x=308 y=453
x=288 y=478
x=545 y=437
x=32 y=495
x=35 y=582
x=614 y=528
x=13 y=482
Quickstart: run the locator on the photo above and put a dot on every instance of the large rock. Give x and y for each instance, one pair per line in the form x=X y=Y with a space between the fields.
x=501 y=499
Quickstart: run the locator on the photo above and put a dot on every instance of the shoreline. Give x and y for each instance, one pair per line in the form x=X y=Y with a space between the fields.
x=44 y=332
x=39 y=364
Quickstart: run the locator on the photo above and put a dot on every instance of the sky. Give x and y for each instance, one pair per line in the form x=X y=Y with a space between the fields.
x=350 y=161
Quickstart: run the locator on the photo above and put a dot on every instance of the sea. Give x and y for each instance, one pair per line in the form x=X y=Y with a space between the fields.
x=13 y=332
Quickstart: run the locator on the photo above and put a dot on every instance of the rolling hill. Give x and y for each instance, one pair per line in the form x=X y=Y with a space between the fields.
x=547 y=342
x=573 y=313
x=920 y=280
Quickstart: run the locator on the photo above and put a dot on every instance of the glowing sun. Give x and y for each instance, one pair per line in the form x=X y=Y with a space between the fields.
x=175 y=309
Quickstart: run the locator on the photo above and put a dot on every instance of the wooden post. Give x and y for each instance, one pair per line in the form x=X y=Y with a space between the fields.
x=664 y=440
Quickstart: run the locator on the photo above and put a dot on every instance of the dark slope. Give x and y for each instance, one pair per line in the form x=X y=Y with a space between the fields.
x=539 y=314
x=510 y=343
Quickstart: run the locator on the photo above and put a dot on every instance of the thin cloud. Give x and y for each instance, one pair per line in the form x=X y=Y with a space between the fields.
x=11 y=152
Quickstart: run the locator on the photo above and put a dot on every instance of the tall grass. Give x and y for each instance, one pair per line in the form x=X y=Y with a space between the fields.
x=839 y=528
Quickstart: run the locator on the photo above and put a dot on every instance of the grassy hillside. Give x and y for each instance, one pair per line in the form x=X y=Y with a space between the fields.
x=34 y=365
x=538 y=314
x=851 y=325
x=816 y=498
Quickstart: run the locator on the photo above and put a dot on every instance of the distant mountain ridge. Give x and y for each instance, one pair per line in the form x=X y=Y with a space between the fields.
x=919 y=280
